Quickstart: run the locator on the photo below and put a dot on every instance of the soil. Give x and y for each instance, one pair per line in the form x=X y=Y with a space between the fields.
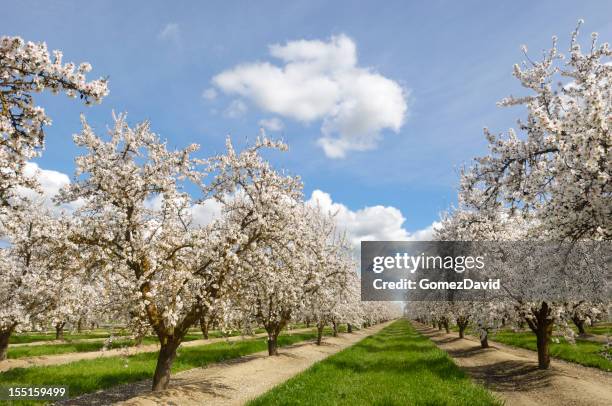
x=513 y=375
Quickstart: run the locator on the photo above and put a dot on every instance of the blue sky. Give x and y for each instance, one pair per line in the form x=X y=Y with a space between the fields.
x=452 y=59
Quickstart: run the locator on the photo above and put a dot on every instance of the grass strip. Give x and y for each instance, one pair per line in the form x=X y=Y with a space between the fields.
x=26 y=338
x=72 y=347
x=586 y=353
x=396 y=366
x=583 y=352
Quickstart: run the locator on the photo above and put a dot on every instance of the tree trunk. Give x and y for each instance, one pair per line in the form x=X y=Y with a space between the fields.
x=579 y=324
x=138 y=340
x=165 y=358
x=462 y=323
x=542 y=326
x=439 y=326
x=335 y=329
x=272 y=344
x=59 y=330
x=320 y=333
x=307 y=322
x=484 y=341
x=80 y=325
x=204 y=327
x=543 y=337
x=5 y=335
x=349 y=328
x=445 y=323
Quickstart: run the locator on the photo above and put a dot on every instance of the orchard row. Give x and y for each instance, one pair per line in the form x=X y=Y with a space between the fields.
x=552 y=183
x=126 y=240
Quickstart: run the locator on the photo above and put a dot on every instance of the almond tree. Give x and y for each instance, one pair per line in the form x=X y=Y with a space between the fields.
x=34 y=266
x=463 y=224
x=337 y=301
x=138 y=217
x=379 y=312
x=558 y=174
x=583 y=313
x=77 y=298
x=283 y=271
x=27 y=68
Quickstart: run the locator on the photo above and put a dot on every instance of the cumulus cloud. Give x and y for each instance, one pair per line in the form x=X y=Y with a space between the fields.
x=50 y=183
x=384 y=223
x=271 y=124
x=321 y=81
x=170 y=32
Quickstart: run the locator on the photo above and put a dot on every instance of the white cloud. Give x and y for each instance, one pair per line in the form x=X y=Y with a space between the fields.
x=209 y=94
x=371 y=223
x=201 y=214
x=272 y=124
x=236 y=109
x=320 y=80
x=170 y=32
x=206 y=212
x=50 y=183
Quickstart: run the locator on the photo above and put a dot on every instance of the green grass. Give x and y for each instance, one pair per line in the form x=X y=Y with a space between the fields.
x=397 y=366
x=56 y=349
x=600 y=328
x=71 y=347
x=583 y=352
x=100 y=373
x=25 y=338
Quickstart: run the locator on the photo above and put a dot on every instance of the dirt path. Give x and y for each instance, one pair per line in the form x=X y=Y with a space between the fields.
x=78 y=356
x=228 y=383
x=514 y=376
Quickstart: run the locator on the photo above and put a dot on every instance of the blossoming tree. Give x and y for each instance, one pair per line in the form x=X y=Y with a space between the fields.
x=558 y=175
x=27 y=68
x=137 y=215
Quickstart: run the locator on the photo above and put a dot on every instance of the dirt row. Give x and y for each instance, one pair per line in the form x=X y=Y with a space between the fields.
x=513 y=375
